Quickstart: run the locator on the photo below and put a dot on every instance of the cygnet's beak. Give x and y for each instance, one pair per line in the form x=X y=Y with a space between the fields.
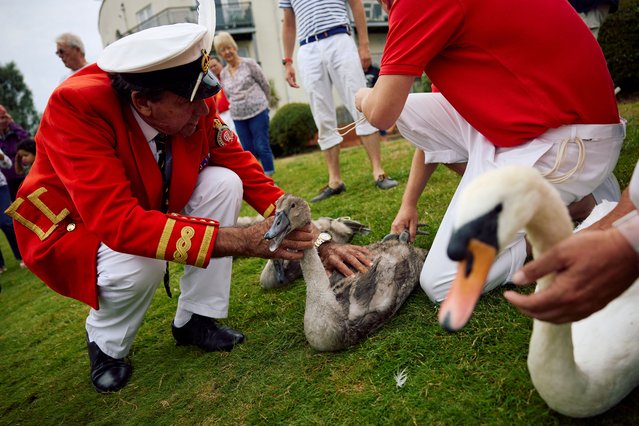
x=278 y=231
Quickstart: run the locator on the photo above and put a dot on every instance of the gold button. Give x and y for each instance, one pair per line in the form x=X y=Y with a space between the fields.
x=70 y=227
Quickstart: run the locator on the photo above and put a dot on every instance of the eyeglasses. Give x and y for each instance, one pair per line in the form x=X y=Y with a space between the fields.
x=60 y=52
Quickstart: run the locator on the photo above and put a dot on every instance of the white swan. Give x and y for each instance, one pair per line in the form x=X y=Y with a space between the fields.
x=342 y=311
x=580 y=369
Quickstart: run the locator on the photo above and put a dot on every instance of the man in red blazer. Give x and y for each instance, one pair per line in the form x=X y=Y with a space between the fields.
x=135 y=169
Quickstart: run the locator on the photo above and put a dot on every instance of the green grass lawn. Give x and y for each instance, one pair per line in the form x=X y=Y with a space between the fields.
x=476 y=376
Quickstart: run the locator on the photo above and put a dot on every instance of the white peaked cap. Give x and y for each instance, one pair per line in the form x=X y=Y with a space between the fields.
x=162 y=47
x=155 y=49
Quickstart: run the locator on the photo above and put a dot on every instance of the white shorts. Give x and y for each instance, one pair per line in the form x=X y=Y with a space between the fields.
x=431 y=123
x=322 y=64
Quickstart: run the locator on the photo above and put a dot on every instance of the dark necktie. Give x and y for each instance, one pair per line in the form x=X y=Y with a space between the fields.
x=163 y=148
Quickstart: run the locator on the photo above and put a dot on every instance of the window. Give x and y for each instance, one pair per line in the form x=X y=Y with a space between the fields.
x=144 y=14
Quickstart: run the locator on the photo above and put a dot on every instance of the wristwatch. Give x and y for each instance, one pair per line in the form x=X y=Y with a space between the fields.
x=322 y=238
x=287 y=61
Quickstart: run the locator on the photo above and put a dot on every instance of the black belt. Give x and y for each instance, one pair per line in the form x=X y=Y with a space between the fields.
x=342 y=29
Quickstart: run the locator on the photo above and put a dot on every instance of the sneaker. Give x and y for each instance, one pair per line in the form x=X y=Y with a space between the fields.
x=22 y=265
x=327 y=191
x=385 y=182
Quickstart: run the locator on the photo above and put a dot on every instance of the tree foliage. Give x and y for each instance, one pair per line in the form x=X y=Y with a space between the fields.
x=16 y=97
x=619 y=39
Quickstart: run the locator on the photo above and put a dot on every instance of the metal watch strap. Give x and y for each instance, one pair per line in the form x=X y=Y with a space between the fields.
x=322 y=238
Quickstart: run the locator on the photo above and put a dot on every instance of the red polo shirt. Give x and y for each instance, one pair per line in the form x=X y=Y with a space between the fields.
x=512 y=69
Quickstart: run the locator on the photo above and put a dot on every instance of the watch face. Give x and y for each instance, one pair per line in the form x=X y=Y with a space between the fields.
x=322 y=238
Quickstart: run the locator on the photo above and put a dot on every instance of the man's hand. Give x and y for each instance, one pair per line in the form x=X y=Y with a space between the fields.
x=592 y=268
x=365 y=56
x=339 y=256
x=289 y=74
x=406 y=218
x=250 y=242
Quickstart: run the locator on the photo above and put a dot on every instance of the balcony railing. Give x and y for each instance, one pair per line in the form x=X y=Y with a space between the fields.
x=229 y=17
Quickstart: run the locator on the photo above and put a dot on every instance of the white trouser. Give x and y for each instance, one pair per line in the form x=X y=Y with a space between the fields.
x=127 y=283
x=433 y=125
x=595 y=18
x=322 y=64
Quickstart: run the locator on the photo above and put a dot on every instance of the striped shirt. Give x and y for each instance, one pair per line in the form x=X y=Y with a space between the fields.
x=315 y=16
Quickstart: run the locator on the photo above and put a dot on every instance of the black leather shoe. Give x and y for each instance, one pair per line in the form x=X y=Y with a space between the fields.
x=107 y=374
x=327 y=191
x=204 y=333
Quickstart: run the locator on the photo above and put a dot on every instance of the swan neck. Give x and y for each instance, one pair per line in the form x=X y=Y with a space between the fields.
x=549 y=224
x=317 y=282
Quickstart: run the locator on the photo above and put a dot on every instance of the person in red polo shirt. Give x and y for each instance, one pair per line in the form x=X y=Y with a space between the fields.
x=517 y=83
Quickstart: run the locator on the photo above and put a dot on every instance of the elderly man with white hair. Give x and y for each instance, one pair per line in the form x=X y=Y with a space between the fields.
x=70 y=50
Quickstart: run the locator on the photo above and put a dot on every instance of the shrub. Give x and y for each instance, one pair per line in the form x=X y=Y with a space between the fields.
x=292 y=128
x=619 y=39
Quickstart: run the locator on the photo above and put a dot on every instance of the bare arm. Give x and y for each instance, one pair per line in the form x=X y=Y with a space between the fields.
x=289 y=31
x=260 y=78
x=383 y=104
x=362 y=32
x=407 y=216
x=250 y=242
x=623 y=207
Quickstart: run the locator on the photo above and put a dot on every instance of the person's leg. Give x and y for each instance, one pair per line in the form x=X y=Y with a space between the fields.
x=126 y=285
x=595 y=18
x=217 y=195
x=243 y=131
x=205 y=292
x=332 y=160
x=434 y=126
x=314 y=78
x=6 y=223
x=372 y=145
x=259 y=129
x=345 y=70
x=600 y=156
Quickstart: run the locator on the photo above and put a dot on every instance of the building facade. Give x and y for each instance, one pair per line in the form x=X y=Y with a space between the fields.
x=256 y=26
